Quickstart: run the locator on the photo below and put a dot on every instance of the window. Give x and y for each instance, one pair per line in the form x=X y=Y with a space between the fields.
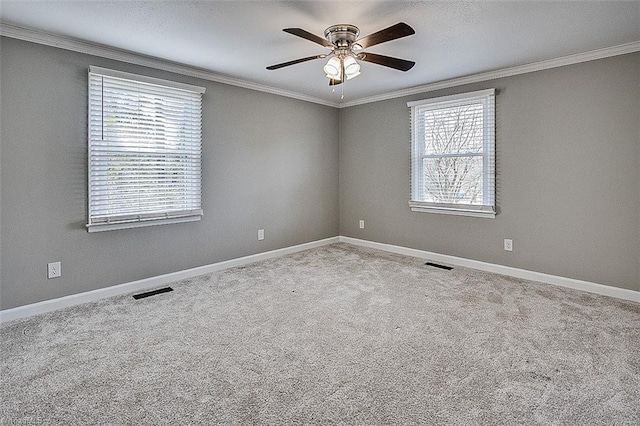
x=145 y=143
x=453 y=154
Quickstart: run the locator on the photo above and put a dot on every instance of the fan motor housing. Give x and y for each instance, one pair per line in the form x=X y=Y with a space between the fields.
x=342 y=35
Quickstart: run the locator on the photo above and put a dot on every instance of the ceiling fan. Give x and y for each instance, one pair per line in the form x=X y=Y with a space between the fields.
x=346 y=50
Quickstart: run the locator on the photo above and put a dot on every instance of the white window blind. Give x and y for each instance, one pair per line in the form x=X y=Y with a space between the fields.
x=453 y=154
x=145 y=143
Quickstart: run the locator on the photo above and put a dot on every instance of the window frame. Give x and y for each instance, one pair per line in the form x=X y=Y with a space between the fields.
x=98 y=223
x=488 y=207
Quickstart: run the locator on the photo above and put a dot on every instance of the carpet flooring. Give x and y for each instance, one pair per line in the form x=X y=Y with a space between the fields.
x=334 y=335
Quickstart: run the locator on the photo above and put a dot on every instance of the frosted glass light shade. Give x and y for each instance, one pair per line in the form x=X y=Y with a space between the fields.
x=333 y=68
x=351 y=67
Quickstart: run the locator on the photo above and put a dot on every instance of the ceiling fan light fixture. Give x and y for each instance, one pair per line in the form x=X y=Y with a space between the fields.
x=333 y=68
x=351 y=67
x=346 y=50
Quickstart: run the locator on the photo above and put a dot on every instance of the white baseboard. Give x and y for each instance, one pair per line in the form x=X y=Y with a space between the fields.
x=148 y=283
x=605 y=290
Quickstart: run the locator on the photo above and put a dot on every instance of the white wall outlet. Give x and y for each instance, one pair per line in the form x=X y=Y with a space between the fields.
x=508 y=244
x=361 y=224
x=54 y=270
x=260 y=234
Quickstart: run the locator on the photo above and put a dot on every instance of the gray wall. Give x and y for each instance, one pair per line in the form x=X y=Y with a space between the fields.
x=568 y=175
x=268 y=162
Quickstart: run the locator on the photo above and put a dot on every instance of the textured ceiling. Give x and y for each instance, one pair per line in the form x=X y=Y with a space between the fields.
x=240 y=38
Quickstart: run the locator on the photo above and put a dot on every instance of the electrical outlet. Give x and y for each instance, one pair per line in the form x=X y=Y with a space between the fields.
x=508 y=244
x=260 y=234
x=54 y=270
x=361 y=224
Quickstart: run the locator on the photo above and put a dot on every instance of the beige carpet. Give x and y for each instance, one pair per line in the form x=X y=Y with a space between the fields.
x=334 y=335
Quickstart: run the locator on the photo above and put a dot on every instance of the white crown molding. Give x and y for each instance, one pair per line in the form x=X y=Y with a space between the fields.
x=68 y=43
x=505 y=72
x=75 y=45
x=590 y=287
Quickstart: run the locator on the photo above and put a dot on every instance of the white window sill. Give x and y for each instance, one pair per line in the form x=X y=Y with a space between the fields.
x=422 y=208
x=140 y=223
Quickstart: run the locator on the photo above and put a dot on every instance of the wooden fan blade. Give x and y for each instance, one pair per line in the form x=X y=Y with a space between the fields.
x=393 y=32
x=295 y=61
x=308 y=36
x=387 y=61
x=333 y=82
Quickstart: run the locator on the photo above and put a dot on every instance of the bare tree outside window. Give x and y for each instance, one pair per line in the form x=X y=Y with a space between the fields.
x=452 y=160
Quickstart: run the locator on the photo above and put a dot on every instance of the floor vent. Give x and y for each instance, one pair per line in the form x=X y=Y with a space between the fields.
x=435 y=265
x=152 y=293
